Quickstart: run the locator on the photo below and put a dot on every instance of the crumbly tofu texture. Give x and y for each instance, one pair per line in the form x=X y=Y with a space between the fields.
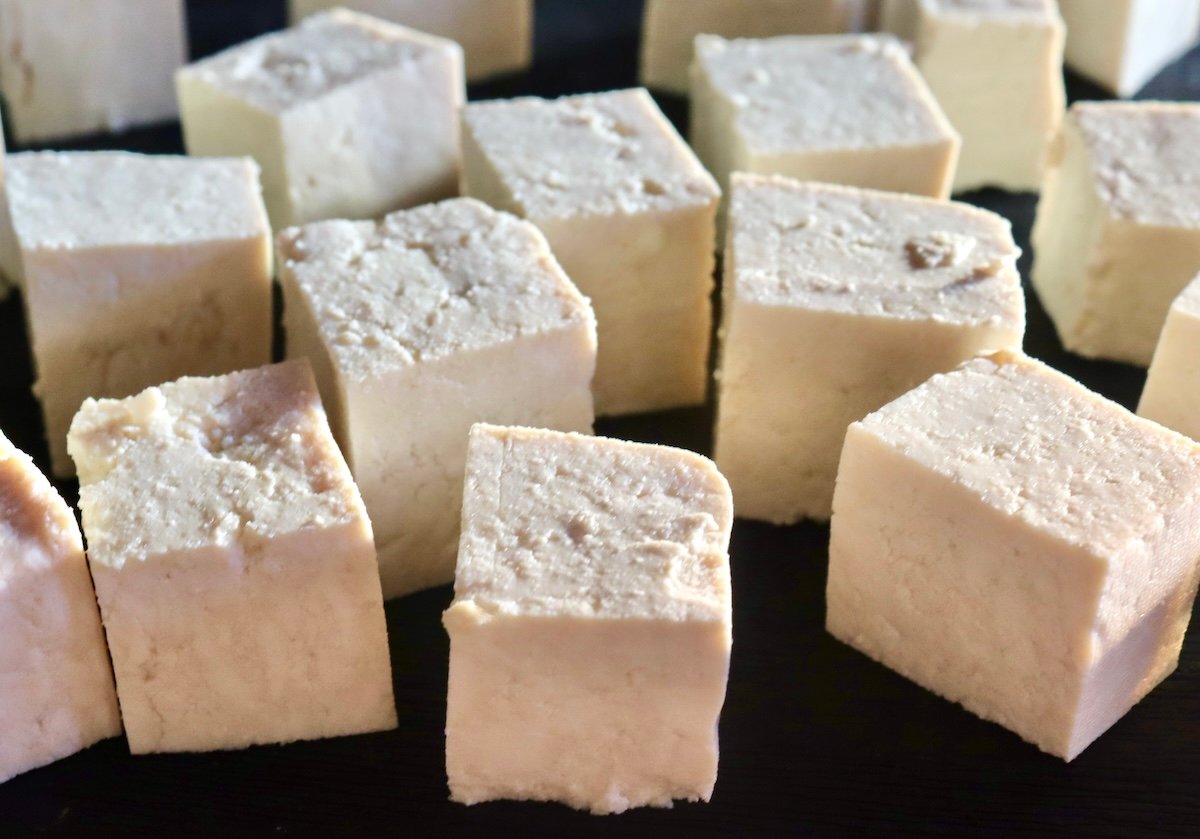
x=1172 y=393
x=670 y=27
x=846 y=109
x=419 y=326
x=1123 y=44
x=136 y=270
x=591 y=627
x=995 y=67
x=1018 y=544
x=1117 y=234
x=69 y=68
x=54 y=672
x=496 y=35
x=836 y=301
x=234 y=564
x=348 y=116
x=629 y=212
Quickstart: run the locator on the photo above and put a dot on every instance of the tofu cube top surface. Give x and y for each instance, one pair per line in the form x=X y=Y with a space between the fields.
x=35 y=522
x=427 y=283
x=1036 y=10
x=593 y=155
x=1038 y=446
x=879 y=254
x=282 y=70
x=568 y=525
x=1146 y=159
x=810 y=93
x=79 y=200
x=209 y=462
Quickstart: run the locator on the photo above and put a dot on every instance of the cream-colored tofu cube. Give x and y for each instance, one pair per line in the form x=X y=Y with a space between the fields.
x=419 y=326
x=629 y=212
x=234 y=564
x=836 y=301
x=670 y=27
x=996 y=69
x=69 y=68
x=847 y=109
x=1117 y=234
x=1122 y=44
x=496 y=35
x=348 y=116
x=1015 y=543
x=1172 y=393
x=136 y=270
x=56 y=686
x=591 y=625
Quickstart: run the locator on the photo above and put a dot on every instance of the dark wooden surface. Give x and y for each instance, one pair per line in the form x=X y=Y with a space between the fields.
x=816 y=739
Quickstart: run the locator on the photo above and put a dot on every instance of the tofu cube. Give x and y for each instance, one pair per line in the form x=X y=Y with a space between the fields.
x=56 y=686
x=1122 y=44
x=1117 y=234
x=629 y=212
x=996 y=70
x=348 y=116
x=233 y=563
x=591 y=625
x=670 y=27
x=136 y=270
x=1015 y=543
x=419 y=326
x=846 y=109
x=496 y=35
x=837 y=301
x=69 y=68
x=1172 y=393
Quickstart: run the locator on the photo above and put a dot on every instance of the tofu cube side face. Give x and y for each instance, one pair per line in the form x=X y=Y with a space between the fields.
x=1172 y=393
x=146 y=314
x=601 y=715
x=1020 y=628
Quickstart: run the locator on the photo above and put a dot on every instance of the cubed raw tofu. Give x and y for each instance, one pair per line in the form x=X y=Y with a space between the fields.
x=56 y=686
x=496 y=35
x=234 y=564
x=348 y=116
x=1172 y=393
x=136 y=270
x=670 y=27
x=1117 y=234
x=69 y=68
x=1013 y=542
x=1122 y=44
x=995 y=67
x=419 y=326
x=836 y=301
x=591 y=625
x=848 y=109
x=629 y=212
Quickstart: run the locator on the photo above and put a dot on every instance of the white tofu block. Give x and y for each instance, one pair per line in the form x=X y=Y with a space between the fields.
x=629 y=212
x=1122 y=44
x=591 y=625
x=419 y=326
x=56 y=686
x=136 y=270
x=847 y=109
x=836 y=301
x=1117 y=234
x=496 y=35
x=69 y=68
x=995 y=67
x=234 y=564
x=670 y=27
x=1015 y=543
x=348 y=116
x=1172 y=393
